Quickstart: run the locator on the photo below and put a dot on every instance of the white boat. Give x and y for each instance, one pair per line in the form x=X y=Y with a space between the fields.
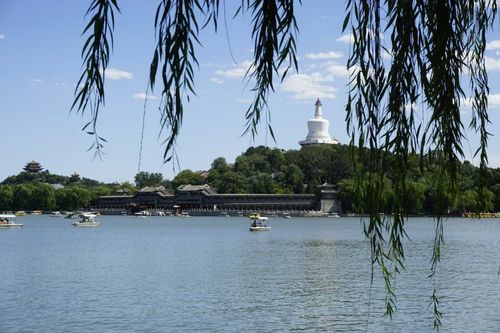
x=86 y=220
x=56 y=214
x=259 y=223
x=286 y=216
x=333 y=215
x=9 y=221
x=183 y=214
x=71 y=215
x=142 y=214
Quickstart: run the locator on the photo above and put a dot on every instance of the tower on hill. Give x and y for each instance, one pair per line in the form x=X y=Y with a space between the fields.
x=33 y=167
x=318 y=129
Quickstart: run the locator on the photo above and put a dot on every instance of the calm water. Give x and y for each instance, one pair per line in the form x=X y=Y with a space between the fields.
x=165 y=274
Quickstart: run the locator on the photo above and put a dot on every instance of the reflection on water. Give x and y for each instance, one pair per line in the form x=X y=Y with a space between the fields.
x=209 y=274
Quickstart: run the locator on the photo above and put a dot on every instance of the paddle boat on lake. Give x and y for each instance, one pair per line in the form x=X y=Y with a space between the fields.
x=9 y=221
x=86 y=220
x=259 y=223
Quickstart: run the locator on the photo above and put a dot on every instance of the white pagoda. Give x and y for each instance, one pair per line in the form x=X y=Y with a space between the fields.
x=318 y=129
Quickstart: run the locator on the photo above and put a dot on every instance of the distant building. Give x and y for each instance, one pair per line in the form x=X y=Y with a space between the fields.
x=74 y=178
x=57 y=186
x=203 y=197
x=318 y=129
x=33 y=167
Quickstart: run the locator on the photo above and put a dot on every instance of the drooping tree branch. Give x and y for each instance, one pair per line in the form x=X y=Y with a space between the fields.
x=433 y=45
x=89 y=91
x=274 y=33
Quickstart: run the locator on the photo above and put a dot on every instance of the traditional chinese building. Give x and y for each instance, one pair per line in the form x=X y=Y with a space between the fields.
x=203 y=197
x=33 y=167
x=74 y=178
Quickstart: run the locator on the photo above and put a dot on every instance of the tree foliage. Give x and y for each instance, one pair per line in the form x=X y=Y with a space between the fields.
x=432 y=44
x=143 y=179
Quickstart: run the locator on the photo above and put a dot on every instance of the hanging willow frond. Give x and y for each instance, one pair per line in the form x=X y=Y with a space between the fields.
x=89 y=91
x=274 y=33
x=174 y=57
x=433 y=43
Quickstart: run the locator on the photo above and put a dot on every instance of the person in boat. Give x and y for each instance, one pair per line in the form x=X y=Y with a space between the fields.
x=254 y=224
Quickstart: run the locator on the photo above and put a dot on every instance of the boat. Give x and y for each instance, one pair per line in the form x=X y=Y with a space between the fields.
x=183 y=214
x=142 y=214
x=70 y=215
x=86 y=220
x=9 y=221
x=333 y=215
x=56 y=214
x=286 y=216
x=259 y=223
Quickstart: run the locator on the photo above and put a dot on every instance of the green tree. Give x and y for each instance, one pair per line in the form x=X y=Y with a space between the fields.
x=99 y=191
x=187 y=177
x=248 y=165
x=220 y=165
x=290 y=178
x=43 y=197
x=127 y=187
x=73 y=198
x=143 y=179
x=496 y=197
x=23 y=197
x=6 y=198
x=416 y=197
x=261 y=183
x=347 y=195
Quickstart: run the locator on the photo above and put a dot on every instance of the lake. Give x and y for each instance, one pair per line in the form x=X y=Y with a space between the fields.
x=210 y=274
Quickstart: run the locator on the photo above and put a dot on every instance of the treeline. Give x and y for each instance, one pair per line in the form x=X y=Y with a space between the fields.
x=257 y=170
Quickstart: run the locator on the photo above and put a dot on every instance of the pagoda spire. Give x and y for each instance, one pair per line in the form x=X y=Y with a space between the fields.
x=318 y=113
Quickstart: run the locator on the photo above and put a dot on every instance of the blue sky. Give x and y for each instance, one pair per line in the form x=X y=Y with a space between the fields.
x=40 y=45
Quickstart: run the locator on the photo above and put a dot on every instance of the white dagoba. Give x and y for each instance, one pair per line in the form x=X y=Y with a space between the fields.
x=318 y=129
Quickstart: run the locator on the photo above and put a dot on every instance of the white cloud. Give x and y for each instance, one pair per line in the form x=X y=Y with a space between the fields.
x=36 y=80
x=217 y=80
x=308 y=87
x=2 y=36
x=118 y=74
x=493 y=45
x=336 y=70
x=347 y=38
x=493 y=101
x=143 y=96
x=325 y=55
x=492 y=64
x=236 y=71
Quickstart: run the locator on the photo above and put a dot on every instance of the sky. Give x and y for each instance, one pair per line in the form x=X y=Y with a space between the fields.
x=40 y=64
